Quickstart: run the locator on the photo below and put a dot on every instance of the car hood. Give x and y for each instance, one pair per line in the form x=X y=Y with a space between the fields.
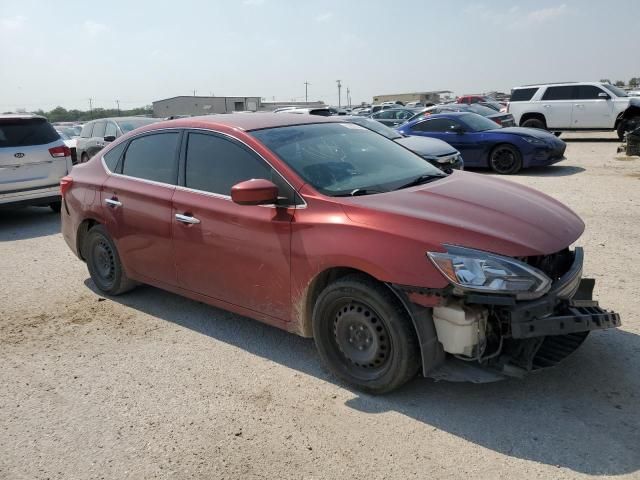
x=426 y=146
x=529 y=132
x=471 y=210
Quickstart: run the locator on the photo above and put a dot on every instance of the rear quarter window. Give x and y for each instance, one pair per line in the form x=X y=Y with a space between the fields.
x=24 y=132
x=86 y=130
x=522 y=94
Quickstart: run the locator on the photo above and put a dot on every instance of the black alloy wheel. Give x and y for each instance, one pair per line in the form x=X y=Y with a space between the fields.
x=505 y=159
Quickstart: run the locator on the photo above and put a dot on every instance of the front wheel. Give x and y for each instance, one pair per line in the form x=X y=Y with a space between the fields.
x=364 y=335
x=505 y=159
x=104 y=263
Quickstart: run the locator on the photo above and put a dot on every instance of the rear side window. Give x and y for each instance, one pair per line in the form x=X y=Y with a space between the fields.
x=153 y=157
x=23 y=132
x=559 y=93
x=86 y=130
x=112 y=156
x=98 y=129
x=522 y=94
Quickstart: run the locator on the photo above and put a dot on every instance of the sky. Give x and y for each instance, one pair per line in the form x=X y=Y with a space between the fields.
x=137 y=51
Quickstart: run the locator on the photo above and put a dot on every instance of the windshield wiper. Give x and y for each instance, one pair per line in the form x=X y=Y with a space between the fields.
x=422 y=179
x=360 y=191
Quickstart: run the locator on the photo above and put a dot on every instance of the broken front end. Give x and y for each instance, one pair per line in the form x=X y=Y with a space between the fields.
x=503 y=316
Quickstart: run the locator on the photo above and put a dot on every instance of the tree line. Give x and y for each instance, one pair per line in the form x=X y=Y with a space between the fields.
x=61 y=114
x=633 y=82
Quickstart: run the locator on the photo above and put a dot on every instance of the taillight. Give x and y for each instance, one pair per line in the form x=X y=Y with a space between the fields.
x=65 y=185
x=59 y=152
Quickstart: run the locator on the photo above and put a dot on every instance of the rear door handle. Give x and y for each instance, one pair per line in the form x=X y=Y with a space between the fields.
x=187 y=219
x=113 y=203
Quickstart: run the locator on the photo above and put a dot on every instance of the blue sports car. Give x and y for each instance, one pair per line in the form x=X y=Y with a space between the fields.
x=483 y=144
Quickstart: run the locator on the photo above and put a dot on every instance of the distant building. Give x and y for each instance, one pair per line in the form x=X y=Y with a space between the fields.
x=270 y=106
x=424 y=97
x=192 y=105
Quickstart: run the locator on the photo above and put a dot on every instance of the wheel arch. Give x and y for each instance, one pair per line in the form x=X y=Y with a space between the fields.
x=431 y=351
x=83 y=229
x=532 y=115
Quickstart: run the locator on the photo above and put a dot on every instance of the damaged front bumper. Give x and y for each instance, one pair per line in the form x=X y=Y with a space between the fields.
x=522 y=336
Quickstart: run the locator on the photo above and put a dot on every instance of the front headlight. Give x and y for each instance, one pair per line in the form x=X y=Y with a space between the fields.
x=475 y=270
x=535 y=141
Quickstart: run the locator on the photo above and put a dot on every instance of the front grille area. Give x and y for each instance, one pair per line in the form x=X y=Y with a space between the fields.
x=554 y=265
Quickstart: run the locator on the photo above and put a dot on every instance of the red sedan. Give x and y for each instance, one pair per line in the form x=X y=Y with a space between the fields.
x=332 y=231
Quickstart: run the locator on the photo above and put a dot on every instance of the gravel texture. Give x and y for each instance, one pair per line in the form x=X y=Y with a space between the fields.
x=152 y=385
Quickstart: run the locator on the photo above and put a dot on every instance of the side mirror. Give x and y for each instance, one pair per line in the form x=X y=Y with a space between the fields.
x=254 y=192
x=604 y=95
x=109 y=138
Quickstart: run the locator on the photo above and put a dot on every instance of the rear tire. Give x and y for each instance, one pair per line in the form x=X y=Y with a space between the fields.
x=534 y=123
x=505 y=159
x=557 y=134
x=56 y=206
x=364 y=335
x=103 y=262
x=84 y=158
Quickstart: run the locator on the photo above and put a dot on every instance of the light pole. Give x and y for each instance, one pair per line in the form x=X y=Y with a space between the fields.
x=339 y=87
x=306 y=97
x=348 y=97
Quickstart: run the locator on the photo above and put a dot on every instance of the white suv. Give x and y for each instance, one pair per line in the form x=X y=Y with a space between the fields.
x=575 y=106
x=33 y=158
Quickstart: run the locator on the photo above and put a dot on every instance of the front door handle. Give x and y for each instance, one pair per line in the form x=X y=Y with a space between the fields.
x=113 y=202
x=187 y=219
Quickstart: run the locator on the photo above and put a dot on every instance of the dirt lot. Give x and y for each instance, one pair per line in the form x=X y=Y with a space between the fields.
x=151 y=385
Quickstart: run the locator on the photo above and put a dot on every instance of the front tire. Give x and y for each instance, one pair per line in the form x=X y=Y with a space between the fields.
x=104 y=263
x=505 y=159
x=364 y=335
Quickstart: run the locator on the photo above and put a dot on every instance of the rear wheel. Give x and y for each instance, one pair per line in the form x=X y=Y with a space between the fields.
x=364 y=335
x=557 y=134
x=84 y=158
x=534 y=123
x=505 y=159
x=56 y=206
x=104 y=263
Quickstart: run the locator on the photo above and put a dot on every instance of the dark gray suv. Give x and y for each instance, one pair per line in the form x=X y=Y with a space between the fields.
x=98 y=133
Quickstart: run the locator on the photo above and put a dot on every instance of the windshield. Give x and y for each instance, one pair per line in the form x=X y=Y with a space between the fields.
x=375 y=126
x=478 y=123
x=342 y=158
x=618 y=92
x=131 y=124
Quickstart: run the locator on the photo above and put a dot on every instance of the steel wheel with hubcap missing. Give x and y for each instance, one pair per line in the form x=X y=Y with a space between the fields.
x=505 y=159
x=364 y=335
x=104 y=263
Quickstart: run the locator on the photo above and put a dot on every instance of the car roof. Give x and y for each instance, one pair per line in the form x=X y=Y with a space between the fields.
x=119 y=119
x=242 y=121
x=25 y=116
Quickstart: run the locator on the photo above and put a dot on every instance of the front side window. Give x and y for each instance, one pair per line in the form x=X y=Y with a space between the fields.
x=438 y=125
x=588 y=92
x=618 y=92
x=565 y=92
x=111 y=130
x=215 y=164
x=87 y=130
x=340 y=159
x=153 y=157
x=98 y=129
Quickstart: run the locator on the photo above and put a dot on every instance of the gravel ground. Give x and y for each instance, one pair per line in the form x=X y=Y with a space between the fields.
x=152 y=385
